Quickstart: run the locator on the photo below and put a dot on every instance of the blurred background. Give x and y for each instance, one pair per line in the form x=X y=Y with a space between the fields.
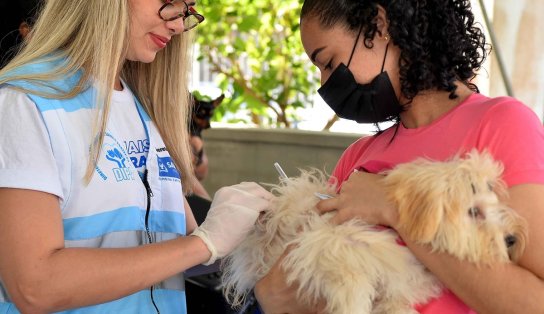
x=251 y=49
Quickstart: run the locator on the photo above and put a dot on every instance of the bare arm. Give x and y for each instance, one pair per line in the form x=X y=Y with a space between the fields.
x=199 y=190
x=276 y=297
x=200 y=160
x=500 y=289
x=190 y=221
x=41 y=275
x=504 y=288
x=201 y=171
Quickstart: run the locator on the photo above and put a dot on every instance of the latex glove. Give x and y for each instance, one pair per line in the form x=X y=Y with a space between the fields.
x=231 y=217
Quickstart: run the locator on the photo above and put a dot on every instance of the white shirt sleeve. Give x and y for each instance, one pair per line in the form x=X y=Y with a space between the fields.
x=26 y=156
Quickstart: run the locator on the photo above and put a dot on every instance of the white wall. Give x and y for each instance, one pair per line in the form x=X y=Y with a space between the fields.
x=519 y=29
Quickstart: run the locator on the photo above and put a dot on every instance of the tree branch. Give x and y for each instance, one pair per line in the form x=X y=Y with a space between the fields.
x=330 y=123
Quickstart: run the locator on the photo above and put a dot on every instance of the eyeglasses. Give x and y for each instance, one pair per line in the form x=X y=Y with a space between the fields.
x=174 y=9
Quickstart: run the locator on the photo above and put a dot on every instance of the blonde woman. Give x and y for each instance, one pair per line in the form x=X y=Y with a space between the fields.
x=93 y=157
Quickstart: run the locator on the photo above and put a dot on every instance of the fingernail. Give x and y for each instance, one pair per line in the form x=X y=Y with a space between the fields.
x=322 y=196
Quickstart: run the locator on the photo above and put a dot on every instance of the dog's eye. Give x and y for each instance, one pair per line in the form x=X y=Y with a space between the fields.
x=510 y=240
x=475 y=212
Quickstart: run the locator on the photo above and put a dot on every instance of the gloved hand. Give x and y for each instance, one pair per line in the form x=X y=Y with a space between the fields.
x=231 y=217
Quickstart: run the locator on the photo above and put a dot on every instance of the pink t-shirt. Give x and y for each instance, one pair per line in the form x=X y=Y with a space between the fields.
x=503 y=126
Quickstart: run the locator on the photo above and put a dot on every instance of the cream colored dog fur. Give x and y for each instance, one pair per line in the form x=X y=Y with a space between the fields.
x=451 y=206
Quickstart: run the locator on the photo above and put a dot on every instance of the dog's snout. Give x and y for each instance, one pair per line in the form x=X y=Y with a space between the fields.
x=510 y=240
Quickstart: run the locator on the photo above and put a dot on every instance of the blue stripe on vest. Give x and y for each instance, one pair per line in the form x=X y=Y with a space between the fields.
x=168 y=302
x=46 y=104
x=122 y=219
x=141 y=110
x=62 y=85
x=8 y=308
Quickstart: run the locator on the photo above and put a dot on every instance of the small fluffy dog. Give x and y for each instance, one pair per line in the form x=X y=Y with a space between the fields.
x=452 y=206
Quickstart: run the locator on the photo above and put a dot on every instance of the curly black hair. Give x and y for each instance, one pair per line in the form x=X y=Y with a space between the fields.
x=439 y=40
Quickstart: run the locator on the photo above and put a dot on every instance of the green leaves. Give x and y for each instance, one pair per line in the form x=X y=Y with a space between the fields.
x=201 y=97
x=255 y=46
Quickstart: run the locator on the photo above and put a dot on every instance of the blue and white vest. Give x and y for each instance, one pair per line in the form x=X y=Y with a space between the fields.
x=110 y=212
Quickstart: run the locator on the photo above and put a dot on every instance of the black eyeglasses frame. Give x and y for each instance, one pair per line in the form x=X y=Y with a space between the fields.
x=189 y=11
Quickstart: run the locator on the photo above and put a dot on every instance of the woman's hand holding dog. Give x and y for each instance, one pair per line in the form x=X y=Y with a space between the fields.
x=276 y=296
x=361 y=196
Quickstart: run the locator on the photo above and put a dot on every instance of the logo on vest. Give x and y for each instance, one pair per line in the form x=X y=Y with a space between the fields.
x=116 y=159
x=167 y=169
x=122 y=172
x=137 y=151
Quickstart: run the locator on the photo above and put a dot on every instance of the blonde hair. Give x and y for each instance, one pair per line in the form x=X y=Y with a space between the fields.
x=92 y=37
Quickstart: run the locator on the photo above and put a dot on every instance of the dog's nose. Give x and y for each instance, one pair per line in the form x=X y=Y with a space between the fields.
x=510 y=240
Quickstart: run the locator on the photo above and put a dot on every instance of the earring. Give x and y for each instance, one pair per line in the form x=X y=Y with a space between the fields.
x=386 y=37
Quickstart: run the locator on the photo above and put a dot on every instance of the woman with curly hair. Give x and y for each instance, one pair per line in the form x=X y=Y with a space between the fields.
x=412 y=62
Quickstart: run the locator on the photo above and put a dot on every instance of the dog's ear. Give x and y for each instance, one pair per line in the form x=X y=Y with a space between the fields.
x=418 y=194
x=216 y=102
x=519 y=226
x=419 y=216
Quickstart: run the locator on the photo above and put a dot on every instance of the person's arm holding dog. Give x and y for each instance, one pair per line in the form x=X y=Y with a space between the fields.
x=508 y=288
x=276 y=297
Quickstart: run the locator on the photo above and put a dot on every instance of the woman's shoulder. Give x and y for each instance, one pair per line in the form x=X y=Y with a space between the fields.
x=479 y=112
x=10 y=95
x=16 y=108
x=30 y=76
x=508 y=113
x=514 y=134
x=499 y=107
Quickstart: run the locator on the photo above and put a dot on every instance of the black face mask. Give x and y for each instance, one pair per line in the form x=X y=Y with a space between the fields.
x=365 y=103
